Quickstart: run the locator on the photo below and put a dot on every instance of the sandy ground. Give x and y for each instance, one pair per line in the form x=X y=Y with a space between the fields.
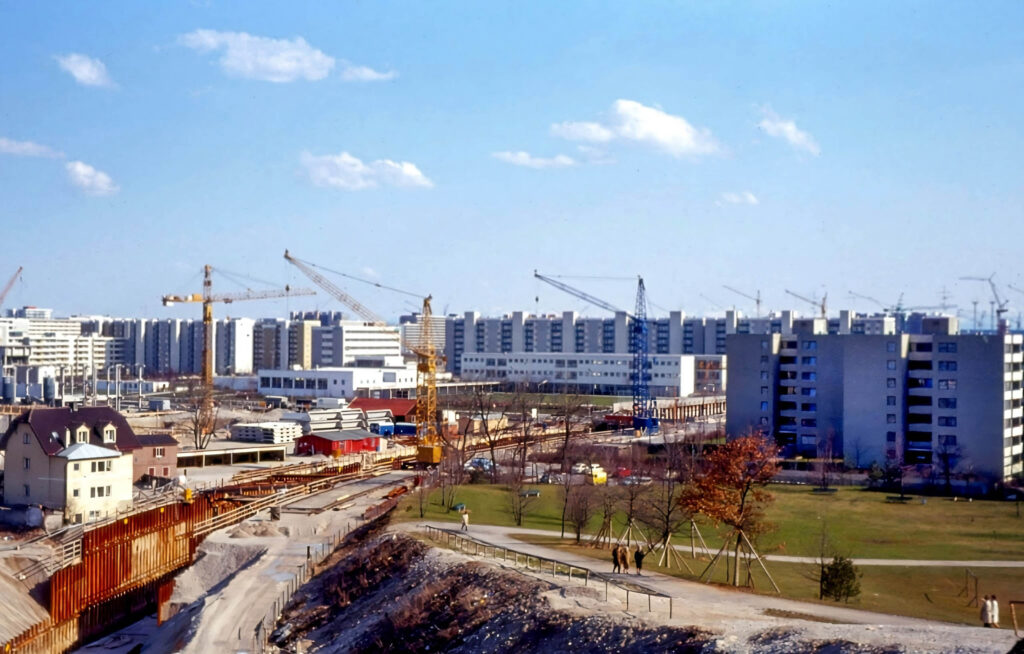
x=739 y=619
x=243 y=577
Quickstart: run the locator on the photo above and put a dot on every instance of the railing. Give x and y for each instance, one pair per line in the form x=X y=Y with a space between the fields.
x=540 y=564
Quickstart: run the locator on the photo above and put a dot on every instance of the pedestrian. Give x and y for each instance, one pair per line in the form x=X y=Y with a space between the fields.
x=638 y=558
x=993 y=611
x=465 y=519
x=986 y=609
x=615 y=559
x=624 y=559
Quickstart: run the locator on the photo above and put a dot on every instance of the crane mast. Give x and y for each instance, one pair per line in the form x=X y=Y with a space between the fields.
x=818 y=305
x=204 y=422
x=644 y=419
x=427 y=437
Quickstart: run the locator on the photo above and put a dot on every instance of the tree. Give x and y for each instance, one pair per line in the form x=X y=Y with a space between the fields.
x=840 y=580
x=947 y=458
x=825 y=464
x=194 y=427
x=730 y=488
x=492 y=418
x=570 y=409
x=660 y=509
x=582 y=504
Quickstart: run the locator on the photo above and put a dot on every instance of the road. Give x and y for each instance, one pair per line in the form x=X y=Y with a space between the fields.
x=229 y=619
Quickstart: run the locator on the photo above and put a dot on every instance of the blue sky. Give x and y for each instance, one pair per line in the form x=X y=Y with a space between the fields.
x=452 y=148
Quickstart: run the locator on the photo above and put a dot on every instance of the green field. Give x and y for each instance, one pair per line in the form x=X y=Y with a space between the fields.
x=860 y=523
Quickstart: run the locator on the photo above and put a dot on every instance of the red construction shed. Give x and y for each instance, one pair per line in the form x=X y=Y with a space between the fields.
x=402 y=410
x=336 y=443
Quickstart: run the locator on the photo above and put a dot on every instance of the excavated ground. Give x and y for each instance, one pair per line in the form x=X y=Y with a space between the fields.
x=390 y=592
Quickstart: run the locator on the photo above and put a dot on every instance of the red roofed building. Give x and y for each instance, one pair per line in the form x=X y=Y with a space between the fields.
x=337 y=443
x=401 y=410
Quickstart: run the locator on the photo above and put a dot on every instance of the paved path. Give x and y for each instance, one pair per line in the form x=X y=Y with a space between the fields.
x=738 y=615
x=781 y=558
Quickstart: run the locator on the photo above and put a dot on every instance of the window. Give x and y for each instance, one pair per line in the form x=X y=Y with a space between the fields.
x=810 y=345
x=947 y=384
x=28 y=463
x=890 y=346
x=158 y=452
x=74 y=493
x=890 y=400
x=947 y=421
x=947 y=440
x=75 y=467
x=809 y=392
x=808 y=422
x=809 y=376
x=108 y=435
x=24 y=438
x=947 y=365
x=890 y=437
x=809 y=406
x=764 y=345
x=764 y=390
x=947 y=402
x=890 y=418
x=764 y=406
x=809 y=361
x=101 y=466
x=764 y=375
x=92 y=492
x=764 y=421
x=947 y=347
x=27 y=490
x=890 y=382
x=764 y=361
x=108 y=491
x=890 y=364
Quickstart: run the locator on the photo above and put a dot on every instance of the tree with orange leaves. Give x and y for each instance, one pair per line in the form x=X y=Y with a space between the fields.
x=730 y=489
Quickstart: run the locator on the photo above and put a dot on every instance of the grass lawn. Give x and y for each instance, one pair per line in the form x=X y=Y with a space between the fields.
x=860 y=524
x=932 y=593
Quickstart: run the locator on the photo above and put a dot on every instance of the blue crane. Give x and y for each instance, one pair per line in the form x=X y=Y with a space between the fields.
x=644 y=418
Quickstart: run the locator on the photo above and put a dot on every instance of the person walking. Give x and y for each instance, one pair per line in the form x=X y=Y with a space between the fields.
x=638 y=558
x=465 y=519
x=986 y=610
x=615 y=559
x=993 y=611
x=624 y=559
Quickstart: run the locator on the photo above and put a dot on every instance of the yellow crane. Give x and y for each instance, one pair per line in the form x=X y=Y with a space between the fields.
x=207 y=298
x=427 y=438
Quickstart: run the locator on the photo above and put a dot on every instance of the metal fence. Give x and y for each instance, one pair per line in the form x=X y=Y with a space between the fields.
x=542 y=565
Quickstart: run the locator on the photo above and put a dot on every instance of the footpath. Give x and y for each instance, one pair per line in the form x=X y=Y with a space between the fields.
x=743 y=614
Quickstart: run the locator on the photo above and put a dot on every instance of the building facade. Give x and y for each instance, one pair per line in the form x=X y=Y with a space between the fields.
x=938 y=398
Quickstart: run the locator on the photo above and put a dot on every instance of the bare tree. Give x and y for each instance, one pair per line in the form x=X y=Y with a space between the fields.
x=570 y=408
x=947 y=458
x=485 y=410
x=194 y=428
x=660 y=508
x=583 y=505
x=825 y=465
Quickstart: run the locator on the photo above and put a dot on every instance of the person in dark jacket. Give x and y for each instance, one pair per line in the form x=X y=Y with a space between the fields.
x=615 y=559
x=638 y=558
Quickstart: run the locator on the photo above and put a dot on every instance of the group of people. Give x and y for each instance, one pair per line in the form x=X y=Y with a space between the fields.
x=990 y=612
x=620 y=558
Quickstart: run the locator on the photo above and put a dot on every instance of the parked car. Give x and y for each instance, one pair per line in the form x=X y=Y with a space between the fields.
x=485 y=465
x=550 y=477
x=634 y=480
x=580 y=468
x=621 y=472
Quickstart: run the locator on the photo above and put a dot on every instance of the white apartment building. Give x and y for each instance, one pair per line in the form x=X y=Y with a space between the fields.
x=912 y=398
x=233 y=346
x=349 y=341
x=590 y=374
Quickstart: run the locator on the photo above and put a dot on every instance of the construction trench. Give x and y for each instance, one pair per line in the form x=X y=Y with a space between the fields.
x=106 y=576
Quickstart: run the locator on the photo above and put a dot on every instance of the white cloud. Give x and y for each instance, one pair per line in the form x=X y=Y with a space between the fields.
x=353 y=73
x=262 y=58
x=90 y=180
x=633 y=121
x=351 y=174
x=582 y=131
x=86 y=70
x=743 y=197
x=27 y=149
x=529 y=161
x=775 y=126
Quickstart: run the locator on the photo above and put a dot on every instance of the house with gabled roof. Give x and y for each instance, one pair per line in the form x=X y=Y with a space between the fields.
x=77 y=462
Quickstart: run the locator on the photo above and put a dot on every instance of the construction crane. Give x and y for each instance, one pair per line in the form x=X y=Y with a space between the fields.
x=644 y=419
x=998 y=303
x=818 y=305
x=427 y=437
x=755 y=298
x=899 y=307
x=204 y=422
x=10 y=284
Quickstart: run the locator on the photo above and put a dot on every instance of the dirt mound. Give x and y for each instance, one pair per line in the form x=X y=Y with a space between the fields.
x=395 y=594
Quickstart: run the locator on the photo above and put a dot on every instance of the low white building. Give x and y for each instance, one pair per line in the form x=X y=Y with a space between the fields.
x=266 y=432
x=337 y=382
x=672 y=375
